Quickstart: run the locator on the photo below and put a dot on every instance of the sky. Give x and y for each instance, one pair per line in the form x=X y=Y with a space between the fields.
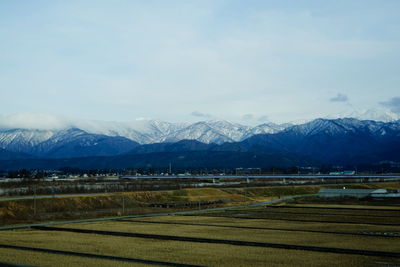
x=243 y=61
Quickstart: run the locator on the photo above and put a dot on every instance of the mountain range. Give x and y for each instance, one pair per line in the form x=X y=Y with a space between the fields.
x=201 y=144
x=99 y=140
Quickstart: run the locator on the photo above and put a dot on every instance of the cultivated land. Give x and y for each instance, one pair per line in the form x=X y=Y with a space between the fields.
x=295 y=233
x=206 y=254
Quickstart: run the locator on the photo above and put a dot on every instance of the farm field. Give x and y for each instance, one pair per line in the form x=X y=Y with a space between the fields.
x=287 y=235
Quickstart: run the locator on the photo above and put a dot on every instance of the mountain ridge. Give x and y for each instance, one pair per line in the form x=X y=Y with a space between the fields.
x=152 y=131
x=339 y=141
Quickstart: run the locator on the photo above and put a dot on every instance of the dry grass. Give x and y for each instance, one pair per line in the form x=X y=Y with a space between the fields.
x=21 y=211
x=170 y=251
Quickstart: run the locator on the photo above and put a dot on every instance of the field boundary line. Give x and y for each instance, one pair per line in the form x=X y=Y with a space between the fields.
x=226 y=242
x=97 y=256
x=324 y=214
x=10 y=264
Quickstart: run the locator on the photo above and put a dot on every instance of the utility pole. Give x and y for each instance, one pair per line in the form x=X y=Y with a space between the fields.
x=199 y=203
x=123 y=205
x=34 y=201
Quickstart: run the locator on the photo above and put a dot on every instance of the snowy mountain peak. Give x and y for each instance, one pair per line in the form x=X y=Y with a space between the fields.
x=344 y=126
x=110 y=138
x=147 y=131
x=22 y=140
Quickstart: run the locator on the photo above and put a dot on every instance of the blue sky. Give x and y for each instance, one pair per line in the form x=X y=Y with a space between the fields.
x=244 y=61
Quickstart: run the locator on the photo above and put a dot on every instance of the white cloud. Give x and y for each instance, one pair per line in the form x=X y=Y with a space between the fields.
x=393 y=104
x=200 y=114
x=38 y=121
x=248 y=117
x=164 y=60
x=339 y=98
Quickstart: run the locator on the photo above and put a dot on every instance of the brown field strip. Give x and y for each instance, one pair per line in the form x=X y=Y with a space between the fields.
x=259 y=228
x=246 y=216
x=348 y=213
x=350 y=228
x=308 y=215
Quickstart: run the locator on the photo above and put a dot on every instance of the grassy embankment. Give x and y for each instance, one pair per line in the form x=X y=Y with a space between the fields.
x=129 y=203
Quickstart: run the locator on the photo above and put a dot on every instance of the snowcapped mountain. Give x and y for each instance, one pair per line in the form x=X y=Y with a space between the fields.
x=23 y=140
x=266 y=128
x=63 y=143
x=340 y=140
x=143 y=131
x=209 y=132
x=101 y=138
x=219 y=132
x=78 y=143
x=344 y=126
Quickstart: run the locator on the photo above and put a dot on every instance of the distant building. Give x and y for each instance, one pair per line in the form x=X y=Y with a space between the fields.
x=336 y=173
x=343 y=173
x=392 y=164
x=359 y=193
x=247 y=171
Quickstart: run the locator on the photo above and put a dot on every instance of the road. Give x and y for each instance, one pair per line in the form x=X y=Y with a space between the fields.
x=291 y=176
x=53 y=196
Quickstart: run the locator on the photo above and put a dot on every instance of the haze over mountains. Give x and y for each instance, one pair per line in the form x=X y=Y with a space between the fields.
x=148 y=142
